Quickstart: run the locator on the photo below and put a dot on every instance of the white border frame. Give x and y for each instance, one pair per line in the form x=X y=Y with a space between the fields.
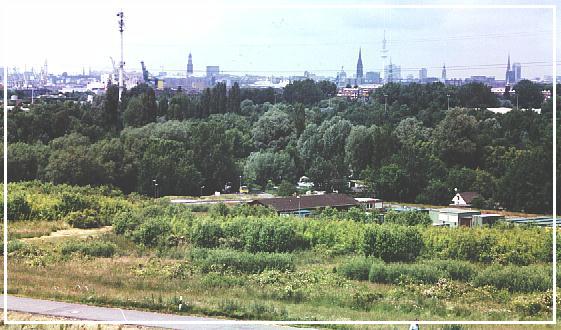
x=231 y=322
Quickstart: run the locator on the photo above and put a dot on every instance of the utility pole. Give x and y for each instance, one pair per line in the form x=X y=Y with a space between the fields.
x=121 y=16
x=386 y=102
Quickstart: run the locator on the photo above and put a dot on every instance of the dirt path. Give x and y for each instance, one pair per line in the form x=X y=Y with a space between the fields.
x=70 y=233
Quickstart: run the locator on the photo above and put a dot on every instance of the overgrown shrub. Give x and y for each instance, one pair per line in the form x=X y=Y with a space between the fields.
x=270 y=236
x=396 y=273
x=454 y=269
x=84 y=219
x=392 y=242
x=408 y=218
x=152 y=232
x=72 y=202
x=516 y=278
x=206 y=233
x=18 y=207
x=217 y=260
x=92 y=248
x=357 y=268
x=521 y=246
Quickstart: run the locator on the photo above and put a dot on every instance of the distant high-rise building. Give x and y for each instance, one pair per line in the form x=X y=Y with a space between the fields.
x=212 y=71
x=517 y=70
x=423 y=74
x=444 y=73
x=372 y=77
x=392 y=72
x=190 y=65
x=359 y=74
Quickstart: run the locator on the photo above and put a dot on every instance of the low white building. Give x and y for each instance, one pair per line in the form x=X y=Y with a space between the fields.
x=452 y=217
x=370 y=203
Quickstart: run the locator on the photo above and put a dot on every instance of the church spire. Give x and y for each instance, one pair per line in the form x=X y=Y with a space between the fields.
x=359 y=73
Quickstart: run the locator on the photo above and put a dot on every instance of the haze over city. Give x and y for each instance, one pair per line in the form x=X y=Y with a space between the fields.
x=281 y=40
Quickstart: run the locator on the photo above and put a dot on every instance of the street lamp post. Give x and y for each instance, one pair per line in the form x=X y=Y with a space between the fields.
x=517 y=108
x=448 y=100
x=240 y=190
x=155 y=183
x=202 y=187
x=386 y=102
x=299 y=213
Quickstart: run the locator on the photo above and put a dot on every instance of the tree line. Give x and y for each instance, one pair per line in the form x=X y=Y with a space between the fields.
x=403 y=142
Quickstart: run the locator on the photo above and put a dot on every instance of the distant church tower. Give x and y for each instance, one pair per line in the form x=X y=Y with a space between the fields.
x=190 y=65
x=359 y=68
x=509 y=74
x=444 y=73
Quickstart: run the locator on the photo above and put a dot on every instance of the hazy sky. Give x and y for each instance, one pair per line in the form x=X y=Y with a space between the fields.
x=71 y=35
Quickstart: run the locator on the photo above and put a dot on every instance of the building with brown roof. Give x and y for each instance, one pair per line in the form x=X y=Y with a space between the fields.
x=298 y=204
x=464 y=198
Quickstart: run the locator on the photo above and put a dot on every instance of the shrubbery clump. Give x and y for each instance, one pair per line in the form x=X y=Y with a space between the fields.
x=84 y=219
x=18 y=207
x=218 y=260
x=516 y=278
x=392 y=243
x=396 y=273
x=93 y=248
x=356 y=268
x=408 y=218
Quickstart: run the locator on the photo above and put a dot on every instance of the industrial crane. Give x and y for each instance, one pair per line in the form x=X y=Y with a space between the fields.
x=148 y=78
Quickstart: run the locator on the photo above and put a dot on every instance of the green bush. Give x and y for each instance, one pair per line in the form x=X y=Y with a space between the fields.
x=408 y=218
x=206 y=234
x=219 y=210
x=396 y=273
x=356 y=268
x=392 y=242
x=199 y=208
x=454 y=269
x=72 y=202
x=93 y=248
x=18 y=207
x=516 y=278
x=125 y=223
x=519 y=245
x=152 y=232
x=208 y=260
x=270 y=236
x=84 y=219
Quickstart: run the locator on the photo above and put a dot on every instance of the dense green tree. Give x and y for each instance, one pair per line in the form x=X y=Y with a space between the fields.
x=454 y=138
x=304 y=91
x=273 y=130
x=263 y=166
x=476 y=95
x=234 y=99
x=26 y=161
x=529 y=94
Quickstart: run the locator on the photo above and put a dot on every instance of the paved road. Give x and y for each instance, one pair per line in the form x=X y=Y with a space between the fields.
x=93 y=313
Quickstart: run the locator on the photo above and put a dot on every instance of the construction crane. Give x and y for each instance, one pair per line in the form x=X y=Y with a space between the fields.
x=147 y=77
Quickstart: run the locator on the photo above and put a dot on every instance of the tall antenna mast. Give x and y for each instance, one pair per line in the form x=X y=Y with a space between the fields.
x=122 y=63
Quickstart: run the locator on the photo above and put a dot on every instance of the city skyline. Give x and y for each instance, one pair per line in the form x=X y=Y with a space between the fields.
x=285 y=41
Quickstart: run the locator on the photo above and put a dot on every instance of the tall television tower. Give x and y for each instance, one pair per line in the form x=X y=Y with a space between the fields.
x=384 y=54
x=122 y=63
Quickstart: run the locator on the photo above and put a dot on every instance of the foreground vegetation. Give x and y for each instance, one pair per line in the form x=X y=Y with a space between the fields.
x=246 y=263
